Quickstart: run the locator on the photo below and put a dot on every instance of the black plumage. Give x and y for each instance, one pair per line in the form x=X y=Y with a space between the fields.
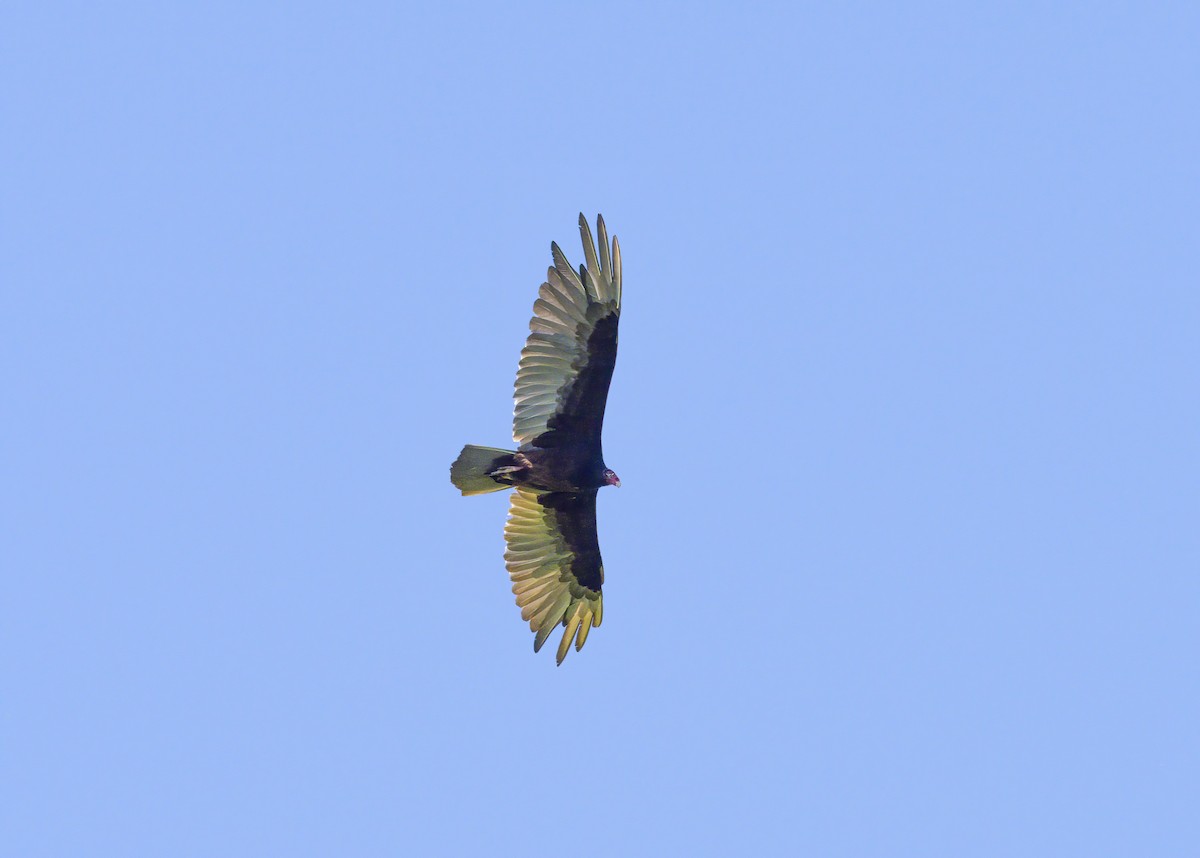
x=552 y=552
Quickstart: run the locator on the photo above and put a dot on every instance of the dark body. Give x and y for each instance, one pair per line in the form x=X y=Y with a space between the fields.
x=574 y=468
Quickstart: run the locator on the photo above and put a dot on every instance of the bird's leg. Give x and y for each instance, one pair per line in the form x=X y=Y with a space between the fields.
x=520 y=464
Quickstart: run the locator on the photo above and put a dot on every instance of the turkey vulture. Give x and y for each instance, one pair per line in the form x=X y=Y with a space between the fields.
x=552 y=552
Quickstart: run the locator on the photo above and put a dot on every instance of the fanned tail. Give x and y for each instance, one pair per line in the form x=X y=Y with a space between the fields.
x=470 y=471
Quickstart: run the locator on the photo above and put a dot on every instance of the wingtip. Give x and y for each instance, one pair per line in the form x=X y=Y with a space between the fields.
x=564 y=647
x=585 y=224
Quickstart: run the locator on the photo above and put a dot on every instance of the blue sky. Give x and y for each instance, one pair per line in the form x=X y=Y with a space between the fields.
x=906 y=413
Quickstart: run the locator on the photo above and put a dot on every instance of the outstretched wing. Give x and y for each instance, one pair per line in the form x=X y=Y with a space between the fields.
x=553 y=559
x=567 y=363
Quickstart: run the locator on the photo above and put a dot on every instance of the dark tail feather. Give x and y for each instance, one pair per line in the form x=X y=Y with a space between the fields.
x=470 y=470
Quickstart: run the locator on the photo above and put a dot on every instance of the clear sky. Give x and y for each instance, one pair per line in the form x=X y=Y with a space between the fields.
x=907 y=412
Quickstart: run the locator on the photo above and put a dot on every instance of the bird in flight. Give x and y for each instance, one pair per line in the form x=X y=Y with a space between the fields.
x=551 y=548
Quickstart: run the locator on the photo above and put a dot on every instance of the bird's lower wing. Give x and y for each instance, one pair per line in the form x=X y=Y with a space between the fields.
x=553 y=559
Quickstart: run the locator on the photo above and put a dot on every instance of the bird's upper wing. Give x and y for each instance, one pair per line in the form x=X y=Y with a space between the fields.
x=553 y=559
x=567 y=363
